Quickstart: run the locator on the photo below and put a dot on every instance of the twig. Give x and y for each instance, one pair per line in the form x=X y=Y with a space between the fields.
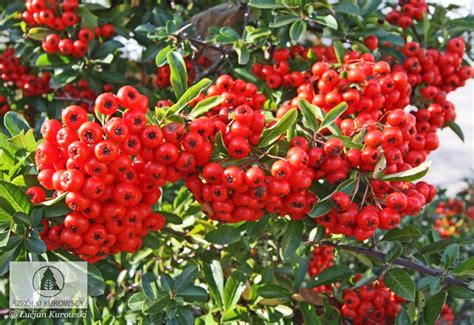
x=401 y=262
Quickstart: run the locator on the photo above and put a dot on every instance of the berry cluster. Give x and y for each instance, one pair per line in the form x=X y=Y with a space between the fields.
x=447 y=227
x=4 y=106
x=321 y=259
x=408 y=11
x=163 y=74
x=17 y=75
x=110 y=175
x=371 y=304
x=450 y=207
x=62 y=17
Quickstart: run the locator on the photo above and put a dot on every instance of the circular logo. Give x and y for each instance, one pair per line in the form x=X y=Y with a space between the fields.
x=48 y=281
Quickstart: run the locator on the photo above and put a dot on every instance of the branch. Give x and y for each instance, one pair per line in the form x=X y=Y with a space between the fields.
x=401 y=262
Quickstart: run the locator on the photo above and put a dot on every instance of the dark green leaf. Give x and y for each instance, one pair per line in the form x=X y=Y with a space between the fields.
x=149 y=285
x=291 y=238
x=107 y=48
x=456 y=129
x=15 y=197
x=408 y=233
x=347 y=8
x=95 y=281
x=465 y=268
x=394 y=252
x=283 y=20
x=21 y=218
x=297 y=30
x=273 y=291
x=193 y=293
x=450 y=255
x=205 y=105
x=35 y=245
x=88 y=19
x=15 y=123
x=310 y=119
x=185 y=315
x=215 y=280
x=328 y=21
x=245 y=75
x=269 y=136
x=335 y=273
x=235 y=286
x=179 y=76
x=409 y=175
x=224 y=234
x=186 y=277
x=136 y=301
x=266 y=4
x=400 y=282
x=434 y=304
x=309 y=313
x=190 y=94
x=460 y=292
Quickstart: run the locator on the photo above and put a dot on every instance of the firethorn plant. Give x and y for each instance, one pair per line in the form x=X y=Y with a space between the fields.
x=245 y=162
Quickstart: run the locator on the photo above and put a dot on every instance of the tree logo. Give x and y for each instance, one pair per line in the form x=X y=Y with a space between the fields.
x=48 y=281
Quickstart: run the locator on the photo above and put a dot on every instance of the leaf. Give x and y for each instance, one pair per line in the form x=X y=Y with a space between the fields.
x=235 y=314
x=205 y=105
x=21 y=218
x=162 y=56
x=409 y=175
x=88 y=19
x=332 y=115
x=137 y=301
x=186 y=277
x=465 y=268
x=235 y=286
x=15 y=197
x=245 y=75
x=273 y=291
x=38 y=33
x=406 y=234
x=321 y=208
x=339 y=50
x=450 y=255
x=95 y=281
x=190 y=94
x=283 y=20
x=179 y=76
x=193 y=293
x=50 y=61
x=328 y=21
x=369 y=7
x=15 y=123
x=310 y=119
x=347 y=8
x=223 y=235
x=243 y=54
x=35 y=245
x=434 y=304
x=269 y=136
x=107 y=48
x=215 y=280
x=380 y=166
x=394 y=252
x=335 y=273
x=297 y=30
x=266 y=4
x=309 y=313
x=400 y=282
x=167 y=282
x=291 y=238
x=456 y=129
x=460 y=292
x=185 y=315
x=149 y=285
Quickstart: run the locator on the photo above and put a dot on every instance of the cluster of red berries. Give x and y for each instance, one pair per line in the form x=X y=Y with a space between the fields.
x=17 y=75
x=59 y=17
x=163 y=74
x=111 y=175
x=321 y=259
x=450 y=207
x=236 y=193
x=447 y=226
x=4 y=106
x=408 y=11
x=446 y=317
x=371 y=304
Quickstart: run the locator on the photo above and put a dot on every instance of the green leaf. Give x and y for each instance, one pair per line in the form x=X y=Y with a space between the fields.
x=205 y=105
x=283 y=20
x=380 y=166
x=434 y=304
x=243 y=54
x=149 y=285
x=291 y=238
x=309 y=313
x=162 y=56
x=335 y=273
x=215 y=281
x=269 y=136
x=297 y=30
x=465 y=268
x=193 y=293
x=38 y=33
x=14 y=197
x=15 y=123
x=460 y=292
x=450 y=255
x=186 y=277
x=310 y=120
x=273 y=291
x=266 y=4
x=347 y=8
x=369 y=7
x=406 y=234
x=394 y=252
x=22 y=218
x=167 y=282
x=179 y=76
x=95 y=281
x=320 y=209
x=400 y=282
x=234 y=314
x=88 y=19
x=50 y=61
x=137 y=301
x=328 y=21
x=235 y=286
x=456 y=129
x=35 y=245
x=107 y=48
x=185 y=315
x=409 y=175
x=339 y=50
x=224 y=234
x=244 y=74
x=332 y=115
x=190 y=94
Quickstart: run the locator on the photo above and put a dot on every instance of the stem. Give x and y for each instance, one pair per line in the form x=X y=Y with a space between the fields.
x=401 y=262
